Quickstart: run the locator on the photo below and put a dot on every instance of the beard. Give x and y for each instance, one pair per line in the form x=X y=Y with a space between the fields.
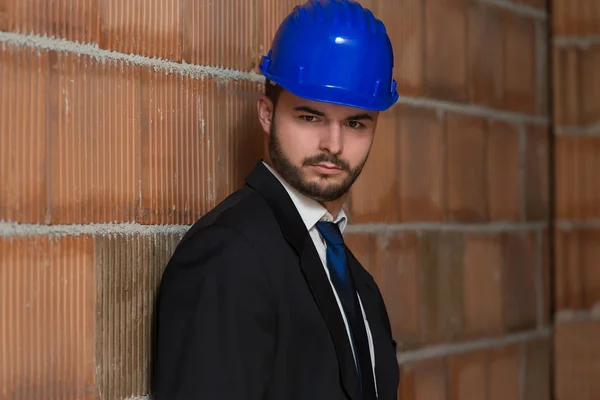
x=314 y=190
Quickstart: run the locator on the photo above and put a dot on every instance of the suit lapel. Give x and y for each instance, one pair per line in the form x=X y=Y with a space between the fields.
x=296 y=234
x=323 y=295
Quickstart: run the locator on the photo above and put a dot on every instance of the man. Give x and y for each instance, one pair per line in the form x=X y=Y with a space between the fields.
x=261 y=299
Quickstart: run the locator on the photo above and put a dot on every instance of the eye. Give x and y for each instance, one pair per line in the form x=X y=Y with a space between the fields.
x=355 y=124
x=308 y=118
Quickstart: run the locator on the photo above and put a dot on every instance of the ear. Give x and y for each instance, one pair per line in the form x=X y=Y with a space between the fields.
x=265 y=112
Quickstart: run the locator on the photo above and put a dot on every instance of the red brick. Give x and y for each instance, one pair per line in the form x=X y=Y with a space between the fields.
x=467 y=376
x=519 y=281
x=465 y=168
x=566 y=86
x=504 y=373
x=576 y=367
x=219 y=33
x=537 y=370
x=540 y=4
x=483 y=285
x=577 y=83
x=446 y=50
x=24 y=75
x=5 y=20
x=575 y=17
x=67 y=19
x=542 y=67
x=441 y=286
x=520 y=64
x=374 y=195
x=577 y=274
x=485 y=67
x=503 y=171
x=590 y=84
x=568 y=276
x=94 y=164
x=421 y=141
x=362 y=246
x=547 y=278
x=199 y=140
x=404 y=24
x=395 y=268
x=48 y=318
x=424 y=380
x=537 y=168
x=577 y=186
x=148 y=27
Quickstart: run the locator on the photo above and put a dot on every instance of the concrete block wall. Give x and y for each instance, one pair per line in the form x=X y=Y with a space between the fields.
x=576 y=76
x=123 y=122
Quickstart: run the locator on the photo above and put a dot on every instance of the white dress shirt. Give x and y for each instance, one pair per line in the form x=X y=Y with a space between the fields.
x=312 y=212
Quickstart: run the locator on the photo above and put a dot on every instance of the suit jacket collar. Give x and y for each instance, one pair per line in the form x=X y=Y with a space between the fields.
x=296 y=234
x=267 y=185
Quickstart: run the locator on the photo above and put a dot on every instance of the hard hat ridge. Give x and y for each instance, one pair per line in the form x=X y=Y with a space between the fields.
x=347 y=12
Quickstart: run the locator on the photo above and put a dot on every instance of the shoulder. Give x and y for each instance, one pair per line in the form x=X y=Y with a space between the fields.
x=215 y=256
x=242 y=215
x=233 y=235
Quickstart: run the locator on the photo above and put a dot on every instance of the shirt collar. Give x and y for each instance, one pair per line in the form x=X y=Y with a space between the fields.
x=311 y=211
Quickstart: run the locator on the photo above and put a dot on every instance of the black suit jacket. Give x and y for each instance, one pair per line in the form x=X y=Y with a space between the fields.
x=246 y=312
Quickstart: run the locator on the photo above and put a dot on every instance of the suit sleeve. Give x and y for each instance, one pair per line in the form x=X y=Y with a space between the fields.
x=216 y=321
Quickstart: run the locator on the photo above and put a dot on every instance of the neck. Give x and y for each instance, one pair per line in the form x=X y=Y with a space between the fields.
x=334 y=207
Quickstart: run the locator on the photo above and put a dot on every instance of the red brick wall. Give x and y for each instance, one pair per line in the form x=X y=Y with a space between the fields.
x=576 y=75
x=451 y=213
x=123 y=122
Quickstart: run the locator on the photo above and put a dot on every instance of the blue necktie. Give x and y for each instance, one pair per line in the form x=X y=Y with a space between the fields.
x=344 y=286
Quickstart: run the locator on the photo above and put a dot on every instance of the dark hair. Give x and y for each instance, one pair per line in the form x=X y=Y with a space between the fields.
x=273 y=91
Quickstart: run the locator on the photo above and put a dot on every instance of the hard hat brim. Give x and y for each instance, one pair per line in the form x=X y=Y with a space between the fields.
x=335 y=95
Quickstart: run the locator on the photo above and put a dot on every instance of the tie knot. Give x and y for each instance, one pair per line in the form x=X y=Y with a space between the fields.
x=330 y=232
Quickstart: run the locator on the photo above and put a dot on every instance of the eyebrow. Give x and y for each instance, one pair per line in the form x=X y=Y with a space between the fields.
x=311 y=110
x=360 y=117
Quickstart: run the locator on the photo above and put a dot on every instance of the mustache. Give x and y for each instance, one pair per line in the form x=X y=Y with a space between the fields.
x=330 y=158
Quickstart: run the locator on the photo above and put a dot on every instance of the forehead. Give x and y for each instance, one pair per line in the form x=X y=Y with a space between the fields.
x=290 y=102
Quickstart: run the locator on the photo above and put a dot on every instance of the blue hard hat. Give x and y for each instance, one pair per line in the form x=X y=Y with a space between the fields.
x=333 y=51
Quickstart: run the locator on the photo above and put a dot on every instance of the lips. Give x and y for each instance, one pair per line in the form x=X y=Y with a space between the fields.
x=327 y=165
x=327 y=168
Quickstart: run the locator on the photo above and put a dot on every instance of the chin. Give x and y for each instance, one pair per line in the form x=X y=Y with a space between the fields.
x=329 y=185
x=327 y=181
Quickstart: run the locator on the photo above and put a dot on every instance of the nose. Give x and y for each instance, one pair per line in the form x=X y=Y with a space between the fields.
x=332 y=140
